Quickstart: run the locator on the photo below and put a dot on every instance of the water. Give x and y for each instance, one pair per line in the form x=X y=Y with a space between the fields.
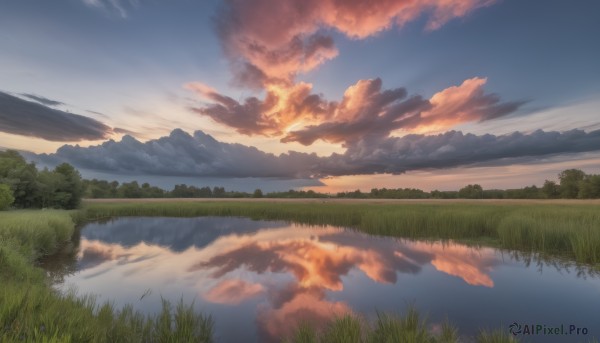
x=258 y=279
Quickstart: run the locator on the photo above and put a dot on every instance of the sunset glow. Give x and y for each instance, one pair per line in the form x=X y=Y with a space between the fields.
x=333 y=95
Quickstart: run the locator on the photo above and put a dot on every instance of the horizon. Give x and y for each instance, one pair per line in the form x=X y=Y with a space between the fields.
x=339 y=97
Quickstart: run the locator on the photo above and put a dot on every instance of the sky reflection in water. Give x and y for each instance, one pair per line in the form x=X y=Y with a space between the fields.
x=262 y=278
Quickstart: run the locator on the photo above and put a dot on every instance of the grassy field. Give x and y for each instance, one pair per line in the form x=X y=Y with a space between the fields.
x=31 y=311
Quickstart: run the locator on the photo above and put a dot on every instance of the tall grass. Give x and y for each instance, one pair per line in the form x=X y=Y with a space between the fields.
x=31 y=311
x=570 y=231
x=387 y=328
x=36 y=233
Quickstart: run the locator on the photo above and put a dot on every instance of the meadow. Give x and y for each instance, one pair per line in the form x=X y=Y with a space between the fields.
x=30 y=310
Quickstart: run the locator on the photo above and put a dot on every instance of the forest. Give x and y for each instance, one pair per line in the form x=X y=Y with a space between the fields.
x=23 y=185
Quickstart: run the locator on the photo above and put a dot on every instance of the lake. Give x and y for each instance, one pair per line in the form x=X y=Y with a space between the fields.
x=258 y=279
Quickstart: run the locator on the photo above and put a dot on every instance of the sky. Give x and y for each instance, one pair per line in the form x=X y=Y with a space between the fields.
x=326 y=95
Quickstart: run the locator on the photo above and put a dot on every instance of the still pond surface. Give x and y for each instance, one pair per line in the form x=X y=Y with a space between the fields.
x=258 y=279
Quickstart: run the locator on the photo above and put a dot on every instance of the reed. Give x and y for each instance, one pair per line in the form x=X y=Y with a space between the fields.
x=31 y=311
x=386 y=328
x=571 y=231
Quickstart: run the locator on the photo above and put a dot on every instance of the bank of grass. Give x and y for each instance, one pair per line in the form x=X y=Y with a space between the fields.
x=31 y=311
x=386 y=329
x=571 y=231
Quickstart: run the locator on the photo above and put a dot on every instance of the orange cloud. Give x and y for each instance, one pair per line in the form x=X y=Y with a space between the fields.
x=305 y=306
x=233 y=291
x=470 y=264
x=369 y=113
x=275 y=40
x=313 y=264
x=269 y=42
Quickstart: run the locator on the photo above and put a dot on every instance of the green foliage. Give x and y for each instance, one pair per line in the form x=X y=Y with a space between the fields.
x=570 y=180
x=130 y=190
x=6 y=196
x=257 y=194
x=60 y=188
x=471 y=192
x=589 y=187
x=70 y=186
x=551 y=190
x=100 y=189
x=297 y=194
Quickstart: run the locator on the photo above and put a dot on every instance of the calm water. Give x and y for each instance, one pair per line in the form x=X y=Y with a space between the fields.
x=258 y=278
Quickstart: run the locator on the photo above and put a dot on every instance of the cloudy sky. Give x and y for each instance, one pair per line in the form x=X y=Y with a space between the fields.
x=328 y=94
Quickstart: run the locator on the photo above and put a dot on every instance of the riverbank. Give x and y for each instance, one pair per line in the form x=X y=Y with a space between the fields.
x=31 y=311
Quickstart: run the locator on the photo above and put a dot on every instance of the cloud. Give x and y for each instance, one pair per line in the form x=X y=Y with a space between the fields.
x=275 y=40
x=451 y=149
x=365 y=110
x=42 y=100
x=233 y=291
x=270 y=42
x=280 y=108
x=114 y=7
x=27 y=118
x=200 y=155
x=181 y=154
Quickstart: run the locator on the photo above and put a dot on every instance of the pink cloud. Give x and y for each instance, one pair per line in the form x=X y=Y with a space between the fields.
x=367 y=112
x=284 y=38
x=269 y=42
x=233 y=291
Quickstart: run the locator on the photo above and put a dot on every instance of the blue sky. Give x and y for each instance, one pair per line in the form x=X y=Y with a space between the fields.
x=128 y=64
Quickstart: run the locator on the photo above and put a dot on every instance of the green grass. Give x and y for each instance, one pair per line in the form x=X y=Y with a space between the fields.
x=31 y=311
x=569 y=231
x=387 y=329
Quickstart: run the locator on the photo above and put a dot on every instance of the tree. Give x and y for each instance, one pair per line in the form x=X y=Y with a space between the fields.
x=21 y=177
x=570 y=180
x=218 y=192
x=471 y=192
x=6 y=196
x=49 y=182
x=130 y=190
x=550 y=189
x=590 y=187
x=257 y=194
x=70 y=188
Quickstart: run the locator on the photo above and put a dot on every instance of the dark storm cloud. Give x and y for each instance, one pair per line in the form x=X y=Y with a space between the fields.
x=200 y=155
x=42 y=100
x=27 y=118
x=181 y=154
x=451 y=149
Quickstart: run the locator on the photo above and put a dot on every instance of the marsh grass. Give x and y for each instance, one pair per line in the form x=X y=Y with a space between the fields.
x=387 y=328
x=35 y=312
x=495 y=336
x=571 y=231
x=31 y=311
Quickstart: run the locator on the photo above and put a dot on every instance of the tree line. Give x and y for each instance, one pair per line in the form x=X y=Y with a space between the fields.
x=22 y=185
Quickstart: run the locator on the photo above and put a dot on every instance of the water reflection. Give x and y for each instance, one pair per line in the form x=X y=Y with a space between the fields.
x=280 y=274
